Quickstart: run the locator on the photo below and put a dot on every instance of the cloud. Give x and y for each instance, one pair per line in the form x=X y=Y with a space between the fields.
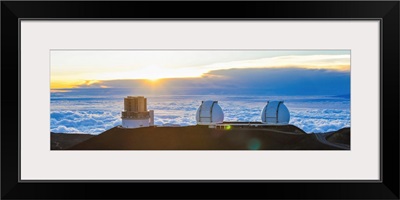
x=287 y=81
x=64 y=129
x=333 y=62
x=253 y=81
x=94 y=116
x=74 y=67
x=92 y=122
x=320 y=120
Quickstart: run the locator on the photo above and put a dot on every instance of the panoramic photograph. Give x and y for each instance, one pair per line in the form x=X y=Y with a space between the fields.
x=200 y=99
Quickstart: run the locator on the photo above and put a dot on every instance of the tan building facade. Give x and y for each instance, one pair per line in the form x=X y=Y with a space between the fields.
x=135 y=113
x=135 y=108
x=135 y=104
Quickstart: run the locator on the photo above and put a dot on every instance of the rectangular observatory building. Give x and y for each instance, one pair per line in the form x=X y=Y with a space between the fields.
x=135 y=113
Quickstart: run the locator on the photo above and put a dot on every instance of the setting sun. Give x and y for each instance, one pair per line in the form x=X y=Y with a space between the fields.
x=89 y=68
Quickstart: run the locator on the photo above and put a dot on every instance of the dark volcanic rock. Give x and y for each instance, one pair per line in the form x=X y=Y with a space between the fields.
x=204 y=138
x=341 y=136
x=61 y=141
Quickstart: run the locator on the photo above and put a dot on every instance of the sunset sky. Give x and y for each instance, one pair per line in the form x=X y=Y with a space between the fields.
x=74 y=69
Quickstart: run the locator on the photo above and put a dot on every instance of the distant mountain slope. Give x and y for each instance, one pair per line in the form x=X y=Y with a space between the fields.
x=341 y=136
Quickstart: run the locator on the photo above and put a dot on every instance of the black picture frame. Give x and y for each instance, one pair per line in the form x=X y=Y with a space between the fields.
x=386 y=11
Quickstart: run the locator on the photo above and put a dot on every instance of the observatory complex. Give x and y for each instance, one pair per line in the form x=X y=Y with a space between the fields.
x=209 y=113
x=135 y=113
x=274 y=113
x=271 y=132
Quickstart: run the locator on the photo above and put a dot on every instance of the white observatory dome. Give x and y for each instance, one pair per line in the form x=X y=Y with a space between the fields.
x=209 y=113
x=275 y=112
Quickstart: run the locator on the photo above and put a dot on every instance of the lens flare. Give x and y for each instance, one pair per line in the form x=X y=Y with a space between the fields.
x=254 y=144
x=229 y=127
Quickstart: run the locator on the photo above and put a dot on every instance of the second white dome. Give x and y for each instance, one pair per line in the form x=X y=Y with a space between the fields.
x=209 y=113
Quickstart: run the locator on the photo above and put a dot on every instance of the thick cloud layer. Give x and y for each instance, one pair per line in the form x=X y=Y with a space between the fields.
x=91 y=122
x=263 y=81
x=93 y=114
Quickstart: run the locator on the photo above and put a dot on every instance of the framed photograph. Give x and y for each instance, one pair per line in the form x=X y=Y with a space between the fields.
x=113 y=96
x=173 y=99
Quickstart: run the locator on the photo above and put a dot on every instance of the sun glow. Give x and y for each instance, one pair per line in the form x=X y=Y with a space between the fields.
x=72 y=69
x=153 y=72
x=153 y=79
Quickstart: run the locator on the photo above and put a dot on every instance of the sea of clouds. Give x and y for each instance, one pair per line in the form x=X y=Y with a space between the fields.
x=71 y=113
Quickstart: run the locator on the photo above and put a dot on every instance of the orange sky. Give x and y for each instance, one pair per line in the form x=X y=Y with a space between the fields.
x=72 y=68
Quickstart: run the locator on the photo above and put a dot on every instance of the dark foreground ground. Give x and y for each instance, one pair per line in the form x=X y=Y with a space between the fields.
x=204 y=138
x=64 y=141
